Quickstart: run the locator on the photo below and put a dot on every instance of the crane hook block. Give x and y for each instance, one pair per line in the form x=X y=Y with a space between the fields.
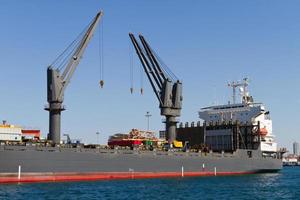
x=131 y=90
x=142 y=91
x=101 y=83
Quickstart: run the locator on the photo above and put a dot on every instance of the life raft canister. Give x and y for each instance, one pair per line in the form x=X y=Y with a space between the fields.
x=263 y=131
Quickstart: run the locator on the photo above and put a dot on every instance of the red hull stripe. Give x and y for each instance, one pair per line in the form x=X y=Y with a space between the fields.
x=58 y=177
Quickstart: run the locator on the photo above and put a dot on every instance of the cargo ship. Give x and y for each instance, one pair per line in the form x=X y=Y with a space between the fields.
x=233 y=139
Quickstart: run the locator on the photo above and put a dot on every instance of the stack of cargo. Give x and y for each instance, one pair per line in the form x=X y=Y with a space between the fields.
x=134 y=138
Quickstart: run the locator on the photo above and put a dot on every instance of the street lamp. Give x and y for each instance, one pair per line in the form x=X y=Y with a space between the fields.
x=148 y=115
x=97 y=133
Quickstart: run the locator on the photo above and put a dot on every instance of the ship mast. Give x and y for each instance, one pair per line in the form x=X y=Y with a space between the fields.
x=243 y=87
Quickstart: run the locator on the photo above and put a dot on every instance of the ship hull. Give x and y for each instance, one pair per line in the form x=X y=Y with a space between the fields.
x=54 y=164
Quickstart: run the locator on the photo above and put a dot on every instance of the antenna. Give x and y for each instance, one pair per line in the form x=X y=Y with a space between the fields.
x=233 y=85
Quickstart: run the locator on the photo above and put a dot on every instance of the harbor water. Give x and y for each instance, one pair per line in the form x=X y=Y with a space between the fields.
x=282 y=185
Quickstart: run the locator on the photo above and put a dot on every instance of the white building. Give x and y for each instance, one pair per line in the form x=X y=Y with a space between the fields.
x=10 y=132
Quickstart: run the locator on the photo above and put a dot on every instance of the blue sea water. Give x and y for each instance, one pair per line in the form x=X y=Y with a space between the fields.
x=282 y=185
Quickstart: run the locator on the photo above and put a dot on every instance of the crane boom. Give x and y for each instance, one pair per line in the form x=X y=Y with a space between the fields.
x=75 y=59
x=153 y=59
x=167 y=91
x=57 y=83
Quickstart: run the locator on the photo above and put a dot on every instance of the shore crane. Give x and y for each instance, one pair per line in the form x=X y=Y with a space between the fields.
x=57 y=82
x=166 y=86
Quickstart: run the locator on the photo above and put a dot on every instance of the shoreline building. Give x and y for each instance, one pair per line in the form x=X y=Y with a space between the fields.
x=296 y=148
x=10 y=133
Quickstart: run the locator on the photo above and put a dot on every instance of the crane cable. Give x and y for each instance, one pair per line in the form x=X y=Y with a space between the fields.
x=65 y=60
x=101 y=55
x=131 y=67
x=164 y=67
x=142 y=79
x=61 y=61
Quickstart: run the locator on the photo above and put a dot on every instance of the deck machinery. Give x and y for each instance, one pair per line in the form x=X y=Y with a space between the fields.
x=166 y=86
x=57 y=81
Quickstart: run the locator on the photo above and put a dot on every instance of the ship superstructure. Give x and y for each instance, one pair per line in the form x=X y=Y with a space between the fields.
x=245 y=112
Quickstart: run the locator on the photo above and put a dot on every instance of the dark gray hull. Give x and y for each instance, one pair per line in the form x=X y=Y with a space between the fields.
x=52 y=160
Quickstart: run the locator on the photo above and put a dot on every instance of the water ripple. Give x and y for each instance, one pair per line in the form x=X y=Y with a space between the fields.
x=284 y=185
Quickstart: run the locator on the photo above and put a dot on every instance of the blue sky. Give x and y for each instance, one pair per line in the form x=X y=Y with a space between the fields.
x=205 y=43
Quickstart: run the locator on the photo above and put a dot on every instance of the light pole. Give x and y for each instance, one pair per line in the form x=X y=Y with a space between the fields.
x=148 y=115
x=97 y=133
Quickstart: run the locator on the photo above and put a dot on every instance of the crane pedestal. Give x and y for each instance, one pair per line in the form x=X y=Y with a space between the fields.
x=54 y=109
x=170 y=129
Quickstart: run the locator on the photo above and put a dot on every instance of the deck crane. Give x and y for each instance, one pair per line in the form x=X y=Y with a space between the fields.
x=57 y=82
x=166 y=86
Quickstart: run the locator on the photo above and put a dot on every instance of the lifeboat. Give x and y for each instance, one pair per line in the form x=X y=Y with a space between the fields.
x=263 y=131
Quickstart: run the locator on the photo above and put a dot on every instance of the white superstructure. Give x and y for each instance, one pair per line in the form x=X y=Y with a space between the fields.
x=245 y=112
